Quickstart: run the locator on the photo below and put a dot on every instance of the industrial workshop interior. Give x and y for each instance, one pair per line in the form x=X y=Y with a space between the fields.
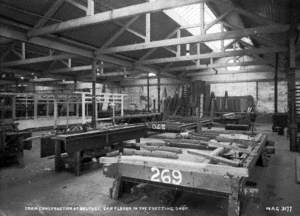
x=150 y=107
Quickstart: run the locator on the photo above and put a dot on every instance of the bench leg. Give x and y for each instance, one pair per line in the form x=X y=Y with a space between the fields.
x=233 y=205
x=116 y=189
x=77 y=163
x=58 y=160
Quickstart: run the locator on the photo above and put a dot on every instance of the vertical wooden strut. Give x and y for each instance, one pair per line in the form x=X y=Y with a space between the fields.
x=158 y=92
x=291 y=80
x=94 y=77
x=202 y=21
x=148 y=94
x=276 y=83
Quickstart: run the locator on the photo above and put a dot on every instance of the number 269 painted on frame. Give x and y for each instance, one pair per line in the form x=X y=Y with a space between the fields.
x=166 y=176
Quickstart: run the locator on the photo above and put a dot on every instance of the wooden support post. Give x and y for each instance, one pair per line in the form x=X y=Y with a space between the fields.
x=90 y=8
x=97 y=110
x=256 y=92
x=158 y=92
x=83 y=108
x=148 y=93
x=198 y=52
x=202 y=19
x=26 y=107
x=75 y=85
x=94 y=76
x=148 y=27
x=297 y=167
x=69 y=62
x=222 y=41
x=47 y=109
x=276 y=84
x=292 y=80
x=55 y=113
x=35 y=107
x=13 y=107
x=77 y=109
x=68 y=112
x=178 y=46
x=122 y=105
x=23 y=50
x=201 y=111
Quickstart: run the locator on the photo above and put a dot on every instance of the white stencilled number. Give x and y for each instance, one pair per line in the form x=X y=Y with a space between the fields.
x=158 y=126
x=177 y=177
x=166 y=176
x=155 y=176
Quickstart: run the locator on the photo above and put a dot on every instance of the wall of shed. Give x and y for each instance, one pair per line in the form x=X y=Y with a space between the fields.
x=136 y=90
x=262 y=92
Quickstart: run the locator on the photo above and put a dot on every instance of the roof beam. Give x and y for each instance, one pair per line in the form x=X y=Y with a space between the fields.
x=255 y=17
x=199 y=38
x=153 y=50
x=53 y=44
x=73 y=47
x=52 y=10
x=78 y=5
x=217 y=65
x=147 y=7
x=76 y=69
x=36 y=60
x=224 y=72
x=213 y=55
x=103 y=5
x=120 y=32
x=209 y=25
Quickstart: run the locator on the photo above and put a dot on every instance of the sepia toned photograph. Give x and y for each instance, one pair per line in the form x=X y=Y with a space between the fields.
x=149 y=108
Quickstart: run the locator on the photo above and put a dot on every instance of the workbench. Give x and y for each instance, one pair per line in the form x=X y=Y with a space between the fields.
x=76 y=144
x=192 y=165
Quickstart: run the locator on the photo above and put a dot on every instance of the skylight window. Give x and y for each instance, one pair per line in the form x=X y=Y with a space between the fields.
x=190 y=15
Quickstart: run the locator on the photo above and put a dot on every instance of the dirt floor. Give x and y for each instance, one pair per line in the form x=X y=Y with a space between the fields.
x=37 y=185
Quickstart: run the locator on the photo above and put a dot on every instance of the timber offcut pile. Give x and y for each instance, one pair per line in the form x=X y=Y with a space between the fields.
x=214 y=148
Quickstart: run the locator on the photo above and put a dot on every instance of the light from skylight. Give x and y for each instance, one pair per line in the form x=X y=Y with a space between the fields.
x=190 y=15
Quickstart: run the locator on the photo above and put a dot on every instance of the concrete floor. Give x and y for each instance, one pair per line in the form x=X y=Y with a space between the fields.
x=38 y=185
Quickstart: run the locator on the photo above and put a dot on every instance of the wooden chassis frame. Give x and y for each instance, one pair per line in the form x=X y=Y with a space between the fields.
x=74 y=144
x=222 y=179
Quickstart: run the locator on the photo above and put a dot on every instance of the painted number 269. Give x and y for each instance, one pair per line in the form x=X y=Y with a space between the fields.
x=166 y=176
